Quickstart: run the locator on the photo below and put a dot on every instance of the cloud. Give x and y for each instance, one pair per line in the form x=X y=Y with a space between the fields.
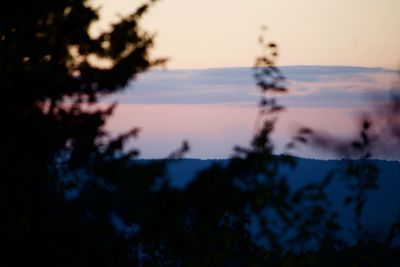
x=216 y=109
x=309 y=86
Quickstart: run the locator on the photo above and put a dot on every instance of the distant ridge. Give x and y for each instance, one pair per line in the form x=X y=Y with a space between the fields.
x=382 y=207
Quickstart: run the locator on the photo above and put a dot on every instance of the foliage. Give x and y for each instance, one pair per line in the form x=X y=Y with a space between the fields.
x=73 y=196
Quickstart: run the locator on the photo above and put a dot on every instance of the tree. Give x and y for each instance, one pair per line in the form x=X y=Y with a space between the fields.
x=73 y=196
x=53 y=131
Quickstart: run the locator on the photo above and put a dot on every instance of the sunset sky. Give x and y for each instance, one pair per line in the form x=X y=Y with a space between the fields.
x=203 y=98
x=223 y=33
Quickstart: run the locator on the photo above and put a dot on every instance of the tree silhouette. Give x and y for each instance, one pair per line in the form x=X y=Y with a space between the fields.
x=71 y=195
x=53 y=133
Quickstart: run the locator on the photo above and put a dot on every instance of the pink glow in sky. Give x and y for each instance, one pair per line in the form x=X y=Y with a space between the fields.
x=216 y=109
x=213 y=130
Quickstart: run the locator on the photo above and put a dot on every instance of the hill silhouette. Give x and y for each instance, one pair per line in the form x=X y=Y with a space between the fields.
x=381 y=209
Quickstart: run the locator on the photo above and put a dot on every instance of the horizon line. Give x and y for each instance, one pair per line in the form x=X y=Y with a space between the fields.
x=297 y=157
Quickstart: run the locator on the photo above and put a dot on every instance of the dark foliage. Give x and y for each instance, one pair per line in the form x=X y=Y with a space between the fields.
x=73 y=196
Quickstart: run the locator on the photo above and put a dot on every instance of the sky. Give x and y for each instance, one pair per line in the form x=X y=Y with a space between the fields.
x=216 y=109
x=224 y=33
x=207 y=94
